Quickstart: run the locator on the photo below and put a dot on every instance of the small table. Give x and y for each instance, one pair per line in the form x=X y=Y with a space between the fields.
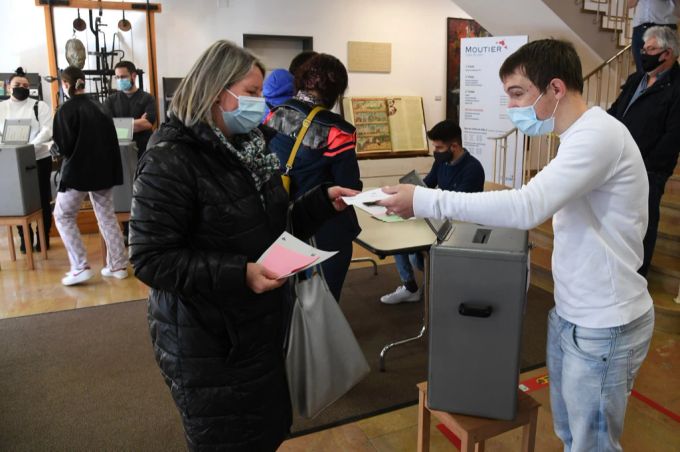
x=473 y=431
x=386 y=239
x=25 y=221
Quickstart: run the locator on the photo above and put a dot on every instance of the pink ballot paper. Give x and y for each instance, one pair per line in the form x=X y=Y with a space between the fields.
x=284 y=261
x=289 y=255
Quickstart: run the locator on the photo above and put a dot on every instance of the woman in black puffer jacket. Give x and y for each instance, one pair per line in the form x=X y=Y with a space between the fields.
x=207 y=202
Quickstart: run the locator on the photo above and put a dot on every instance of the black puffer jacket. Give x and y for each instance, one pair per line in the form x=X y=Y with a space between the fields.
x=197 y=219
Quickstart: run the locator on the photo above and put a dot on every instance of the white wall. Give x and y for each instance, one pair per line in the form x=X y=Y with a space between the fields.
x=417 y=33
x=416 y=29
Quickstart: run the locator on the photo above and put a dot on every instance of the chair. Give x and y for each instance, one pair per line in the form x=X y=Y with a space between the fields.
x=25 y=221
x=473 y=431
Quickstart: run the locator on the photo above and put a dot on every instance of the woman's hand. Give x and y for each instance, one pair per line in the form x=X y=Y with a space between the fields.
x=335 y=194
x=402 y=202
x=261 y=280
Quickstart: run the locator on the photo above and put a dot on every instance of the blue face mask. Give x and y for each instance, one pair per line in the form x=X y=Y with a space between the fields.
x=524 y=118
x=124 y=84
x=247 y=116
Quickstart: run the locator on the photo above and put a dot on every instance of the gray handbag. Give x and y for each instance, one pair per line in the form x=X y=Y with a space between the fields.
x=324 y=359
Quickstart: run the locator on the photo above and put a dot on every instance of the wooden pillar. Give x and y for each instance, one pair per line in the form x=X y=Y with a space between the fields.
x=51 y=56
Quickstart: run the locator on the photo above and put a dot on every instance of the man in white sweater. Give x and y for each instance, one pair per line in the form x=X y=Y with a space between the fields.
x=20 y=106
x=596 y=191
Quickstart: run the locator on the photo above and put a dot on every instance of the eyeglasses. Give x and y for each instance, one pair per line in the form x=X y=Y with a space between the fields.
x=651 y=50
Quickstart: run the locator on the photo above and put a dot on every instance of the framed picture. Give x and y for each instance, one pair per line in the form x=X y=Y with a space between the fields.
x=457 y=29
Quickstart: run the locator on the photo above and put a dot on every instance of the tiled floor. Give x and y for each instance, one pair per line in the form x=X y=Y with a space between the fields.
x=652 y=422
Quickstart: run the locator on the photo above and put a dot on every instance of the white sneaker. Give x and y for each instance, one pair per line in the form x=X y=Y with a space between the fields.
x=118 y=274
x=77 y=276
x=401 y=295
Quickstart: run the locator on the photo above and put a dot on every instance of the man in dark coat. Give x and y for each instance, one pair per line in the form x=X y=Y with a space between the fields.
x=649 y=106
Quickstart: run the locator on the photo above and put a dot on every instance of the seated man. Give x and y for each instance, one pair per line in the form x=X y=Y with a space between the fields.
x=454 y=169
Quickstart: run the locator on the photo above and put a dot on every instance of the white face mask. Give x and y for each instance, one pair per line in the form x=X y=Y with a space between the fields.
x=525 y=119
x=247 y=116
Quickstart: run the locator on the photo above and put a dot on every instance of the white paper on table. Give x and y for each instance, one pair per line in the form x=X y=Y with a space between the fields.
x=369 y=196
x=296 y=245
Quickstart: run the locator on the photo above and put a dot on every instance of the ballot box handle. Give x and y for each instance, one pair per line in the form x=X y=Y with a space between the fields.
x=475 y=310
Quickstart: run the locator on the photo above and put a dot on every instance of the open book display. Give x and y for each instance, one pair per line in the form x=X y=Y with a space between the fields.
x=387 y=125
x=289 y=255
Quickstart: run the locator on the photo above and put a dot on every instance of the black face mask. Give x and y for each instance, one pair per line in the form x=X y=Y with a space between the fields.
x=20 y=93
x=650 y=62
x=444 y=156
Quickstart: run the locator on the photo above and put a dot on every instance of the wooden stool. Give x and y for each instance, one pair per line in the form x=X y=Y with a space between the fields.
x=25 y=221
x=121 y=217
x=473 y=431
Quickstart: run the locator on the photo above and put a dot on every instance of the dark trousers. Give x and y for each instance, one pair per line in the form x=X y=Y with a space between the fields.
x=44 y=172
x=638 y=43
x=335 y=268
x=657 y=184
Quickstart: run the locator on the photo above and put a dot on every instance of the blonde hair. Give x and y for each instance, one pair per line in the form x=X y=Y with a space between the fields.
x=220 y=66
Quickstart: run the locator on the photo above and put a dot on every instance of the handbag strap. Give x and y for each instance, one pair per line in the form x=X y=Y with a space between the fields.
x=301 y=135
x=317 y=267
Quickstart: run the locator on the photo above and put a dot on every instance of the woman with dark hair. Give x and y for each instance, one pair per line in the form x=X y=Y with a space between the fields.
x=207 y=202
x=327 y=154
x=20 y=106
x=86 y=138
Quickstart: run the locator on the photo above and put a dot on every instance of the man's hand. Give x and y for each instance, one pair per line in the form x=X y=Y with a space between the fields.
x=260 y=280
x=401 y=203
x=335 y=194
x=141 y=124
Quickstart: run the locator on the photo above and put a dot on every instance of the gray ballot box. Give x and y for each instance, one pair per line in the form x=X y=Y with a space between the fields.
x=478 y=286
x=19 y=192
x=122 y=194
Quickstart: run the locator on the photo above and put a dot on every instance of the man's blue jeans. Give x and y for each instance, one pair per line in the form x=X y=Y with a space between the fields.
x=592 y=371
x=405 y=264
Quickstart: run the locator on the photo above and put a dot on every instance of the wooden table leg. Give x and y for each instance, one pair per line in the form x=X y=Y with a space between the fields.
x=41 y=237
x=423 y=424
x=10 y=240
x=29 y=245
x=466 y=444
x=529 y=432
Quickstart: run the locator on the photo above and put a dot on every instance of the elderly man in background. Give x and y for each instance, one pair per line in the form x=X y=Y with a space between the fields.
x=649 y=106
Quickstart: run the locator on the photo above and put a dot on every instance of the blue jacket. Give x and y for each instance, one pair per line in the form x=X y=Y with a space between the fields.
x=327 y=155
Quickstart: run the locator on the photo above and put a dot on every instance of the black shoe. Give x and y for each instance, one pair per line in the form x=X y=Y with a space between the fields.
x=22 y=248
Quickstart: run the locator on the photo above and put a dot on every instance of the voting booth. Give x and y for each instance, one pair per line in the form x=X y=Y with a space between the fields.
x=122 y=194
x=19 y=191
x=478 y=285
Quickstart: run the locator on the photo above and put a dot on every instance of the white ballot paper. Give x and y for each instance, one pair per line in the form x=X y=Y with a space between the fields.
x=289 y=255
x=366 y=201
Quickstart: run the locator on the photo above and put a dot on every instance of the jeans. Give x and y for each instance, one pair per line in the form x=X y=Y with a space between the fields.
x=405 y=264
x=657 y=185
x=591 y=372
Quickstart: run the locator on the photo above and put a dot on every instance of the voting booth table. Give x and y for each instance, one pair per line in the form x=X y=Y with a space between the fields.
x=20 y=196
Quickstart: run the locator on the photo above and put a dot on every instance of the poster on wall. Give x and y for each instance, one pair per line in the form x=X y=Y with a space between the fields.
x=457 y=29
x=484 y=103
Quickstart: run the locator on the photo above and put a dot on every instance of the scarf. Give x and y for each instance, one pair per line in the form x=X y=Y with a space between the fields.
x=251 y=150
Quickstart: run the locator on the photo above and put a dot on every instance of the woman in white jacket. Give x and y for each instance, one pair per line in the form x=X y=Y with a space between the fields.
x=20 y=106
